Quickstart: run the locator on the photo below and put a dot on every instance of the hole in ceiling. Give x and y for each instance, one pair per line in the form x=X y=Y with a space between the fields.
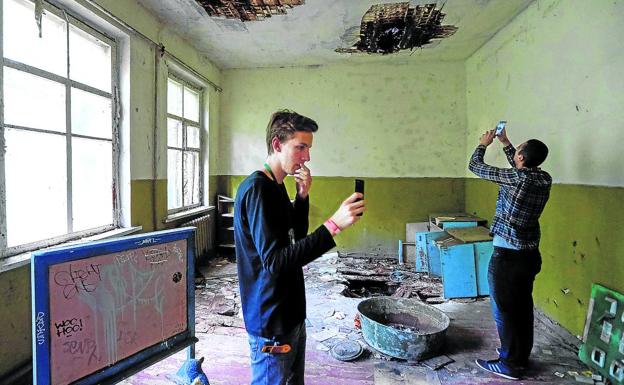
x=388 y=28
x=247 y=10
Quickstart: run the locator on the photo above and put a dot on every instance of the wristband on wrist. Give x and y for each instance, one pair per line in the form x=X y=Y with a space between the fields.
x=332 y=226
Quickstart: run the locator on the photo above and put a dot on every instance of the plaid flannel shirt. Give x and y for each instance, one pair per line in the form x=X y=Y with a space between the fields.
x=521 y=198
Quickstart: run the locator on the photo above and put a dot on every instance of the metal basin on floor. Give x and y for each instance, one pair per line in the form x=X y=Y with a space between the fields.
x=403 y=328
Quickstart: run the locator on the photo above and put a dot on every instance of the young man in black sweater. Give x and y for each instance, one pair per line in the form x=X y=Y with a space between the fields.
x=272 y=246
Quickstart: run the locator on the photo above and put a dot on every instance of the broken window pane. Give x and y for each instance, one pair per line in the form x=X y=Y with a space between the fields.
x=174 y=133
x=22 y=42
x=36 y=186
x=174 y=98
x=32 y=101
x=89 y=60
x=174 y=179
x=191 y=105
x=92 y=190
x=91 y=114
x=192 y=137
x=191 y=178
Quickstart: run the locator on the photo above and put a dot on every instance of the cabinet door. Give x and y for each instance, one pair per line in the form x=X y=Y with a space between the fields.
x=421 y=253
x=483 y=253
x=433 y=253
x=458 y=225
x=458 y=271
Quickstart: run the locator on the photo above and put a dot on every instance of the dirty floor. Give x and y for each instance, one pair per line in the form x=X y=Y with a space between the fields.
x=472 y=334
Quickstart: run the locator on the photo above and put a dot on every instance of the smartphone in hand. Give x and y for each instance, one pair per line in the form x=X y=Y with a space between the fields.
x=500 y=127
x=359 y=187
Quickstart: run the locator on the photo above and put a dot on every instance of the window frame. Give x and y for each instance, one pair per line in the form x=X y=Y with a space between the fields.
x=68 y=83
x=200 y=90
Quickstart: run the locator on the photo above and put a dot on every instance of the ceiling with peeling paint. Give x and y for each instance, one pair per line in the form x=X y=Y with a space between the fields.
x=310 y=34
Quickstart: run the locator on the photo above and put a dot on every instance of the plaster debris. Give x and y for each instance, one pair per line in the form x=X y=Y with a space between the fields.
x=247 y=10
x=584 y=380
x=324 y=335
x=438 y=362
x=389 y=28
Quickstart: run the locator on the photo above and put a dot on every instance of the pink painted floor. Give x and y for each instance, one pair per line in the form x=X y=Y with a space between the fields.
x=472 y=335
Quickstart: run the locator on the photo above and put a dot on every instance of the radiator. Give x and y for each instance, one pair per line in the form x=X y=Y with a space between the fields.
x=203 y=235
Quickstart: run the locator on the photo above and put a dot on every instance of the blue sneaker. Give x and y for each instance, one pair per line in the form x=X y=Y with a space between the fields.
x=524 y=366
x=498 y=368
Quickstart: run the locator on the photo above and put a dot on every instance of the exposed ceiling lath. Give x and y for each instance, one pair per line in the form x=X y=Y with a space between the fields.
x=388 y=28
x=247 y=10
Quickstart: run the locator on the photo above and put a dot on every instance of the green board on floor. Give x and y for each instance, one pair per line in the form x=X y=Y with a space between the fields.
x=603 y=345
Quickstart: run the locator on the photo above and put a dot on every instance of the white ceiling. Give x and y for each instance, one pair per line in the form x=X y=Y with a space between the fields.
x=309 y=33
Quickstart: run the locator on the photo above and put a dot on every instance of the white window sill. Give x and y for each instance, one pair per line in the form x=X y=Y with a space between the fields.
x=17 y=261
x=188 y=214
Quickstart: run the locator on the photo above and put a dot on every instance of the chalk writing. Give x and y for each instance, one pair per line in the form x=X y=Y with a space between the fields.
x=40 y=327
x=178 y=252
x=77 y=279
x=156 y=256
x=125 y=258
x=68 y=327
x=147 y=241
x=81 y=348
x=127 y=337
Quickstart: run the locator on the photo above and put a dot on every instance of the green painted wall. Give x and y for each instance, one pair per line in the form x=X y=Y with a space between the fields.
x=143 y=196
x=390 y=204
x=15 y=331
x=375 y=120
x=555 y=74
x=142 y=119
x=581 y=244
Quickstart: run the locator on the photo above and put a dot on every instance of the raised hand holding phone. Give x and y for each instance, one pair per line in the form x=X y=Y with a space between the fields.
x=500 y=127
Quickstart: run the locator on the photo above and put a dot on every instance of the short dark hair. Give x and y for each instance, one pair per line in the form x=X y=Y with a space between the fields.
x=534 y=152
x=283 y=125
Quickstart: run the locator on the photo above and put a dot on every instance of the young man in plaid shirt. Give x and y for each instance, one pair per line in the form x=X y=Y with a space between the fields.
x=523 y=192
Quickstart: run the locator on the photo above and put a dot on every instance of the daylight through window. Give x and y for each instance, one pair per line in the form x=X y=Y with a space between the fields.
x=59 y=168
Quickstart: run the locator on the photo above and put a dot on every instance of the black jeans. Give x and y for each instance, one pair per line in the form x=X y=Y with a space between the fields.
x=510 y=275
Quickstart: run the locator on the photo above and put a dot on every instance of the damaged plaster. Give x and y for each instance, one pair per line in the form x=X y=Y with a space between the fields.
x=247 y=10
x=389 y=28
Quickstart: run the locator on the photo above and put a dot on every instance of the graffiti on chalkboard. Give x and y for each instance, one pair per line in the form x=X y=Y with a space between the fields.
x=78 y=278
x=40 y=328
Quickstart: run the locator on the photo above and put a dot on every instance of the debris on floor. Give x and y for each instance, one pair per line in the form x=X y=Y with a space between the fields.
x=335 y=284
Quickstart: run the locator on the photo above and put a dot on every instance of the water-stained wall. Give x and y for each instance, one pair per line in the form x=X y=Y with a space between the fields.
x=377 y=121
x=391 y=203
x=555 y=74
x=144 y=174
x=401 y=127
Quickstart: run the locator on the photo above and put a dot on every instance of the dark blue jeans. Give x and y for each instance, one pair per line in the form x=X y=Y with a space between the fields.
x=510 y=275
x=282 y=368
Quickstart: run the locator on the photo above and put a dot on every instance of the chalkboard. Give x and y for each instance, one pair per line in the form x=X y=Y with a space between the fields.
x=104 y=310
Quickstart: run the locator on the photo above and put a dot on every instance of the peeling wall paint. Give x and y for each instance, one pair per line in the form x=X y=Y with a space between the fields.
x=390 y=204
x=580 y=245
x=15 y=337
x=15 y=331
x=554 y=73
x=374 y=120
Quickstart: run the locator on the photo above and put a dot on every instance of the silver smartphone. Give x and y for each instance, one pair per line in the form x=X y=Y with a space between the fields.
x=500 y=127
